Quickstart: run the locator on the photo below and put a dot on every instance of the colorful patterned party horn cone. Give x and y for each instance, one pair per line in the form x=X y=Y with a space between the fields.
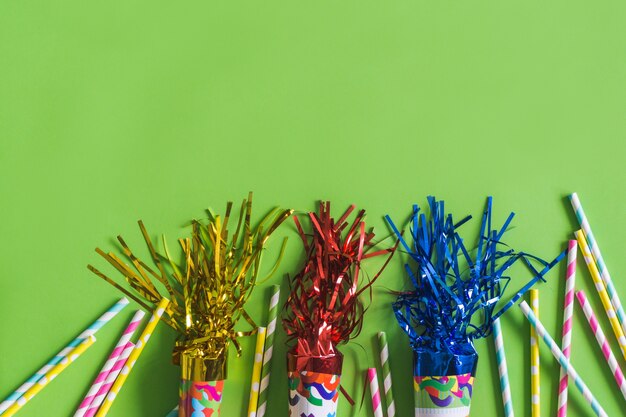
x=201 y=386
x=443 y=395
x=200 y=398
x=313 y=386
x=444 y=387
x=313 y=394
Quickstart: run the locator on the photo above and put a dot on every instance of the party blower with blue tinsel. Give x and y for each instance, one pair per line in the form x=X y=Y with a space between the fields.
x=456 y=297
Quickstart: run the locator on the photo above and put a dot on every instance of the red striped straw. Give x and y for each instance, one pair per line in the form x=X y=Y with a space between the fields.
x=602 y=342
x=110 y=379
x=568 y=309
x=372 y=377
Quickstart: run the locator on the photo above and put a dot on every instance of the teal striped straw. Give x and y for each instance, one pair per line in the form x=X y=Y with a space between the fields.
x=595 y=250
x=90 y=331
x=563 y=361
x=502 y=369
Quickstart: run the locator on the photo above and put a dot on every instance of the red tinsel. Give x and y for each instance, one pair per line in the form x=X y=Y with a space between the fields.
x=323 y=309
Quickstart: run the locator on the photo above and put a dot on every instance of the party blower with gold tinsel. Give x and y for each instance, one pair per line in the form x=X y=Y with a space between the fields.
x=208 y=290
x=324 y=310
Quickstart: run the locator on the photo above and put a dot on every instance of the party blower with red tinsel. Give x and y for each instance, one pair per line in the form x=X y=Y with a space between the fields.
x=323 y=310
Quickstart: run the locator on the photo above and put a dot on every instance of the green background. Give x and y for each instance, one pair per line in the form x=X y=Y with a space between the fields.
x=116 y=111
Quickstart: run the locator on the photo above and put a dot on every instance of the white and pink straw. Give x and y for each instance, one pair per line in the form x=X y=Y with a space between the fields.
x=602 y=342
x=110 y=380
x=372 y=378
x=109 y=365
x=568 y=309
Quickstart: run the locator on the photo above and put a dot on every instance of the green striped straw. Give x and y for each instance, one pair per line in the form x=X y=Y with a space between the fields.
x=502 y=369
x=595 y=250
x=384 y=362
x=267 y=354
x=563 y=361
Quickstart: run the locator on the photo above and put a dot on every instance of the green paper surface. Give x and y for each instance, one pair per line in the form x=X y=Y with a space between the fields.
x=116 y=111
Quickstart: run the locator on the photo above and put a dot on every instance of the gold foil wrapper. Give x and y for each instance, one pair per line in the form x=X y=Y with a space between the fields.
x=197 y=367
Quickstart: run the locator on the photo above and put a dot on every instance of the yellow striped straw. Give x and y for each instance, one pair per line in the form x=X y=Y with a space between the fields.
x=256 y=372
x=49 y=376
x=535 y=389
x=134 y=355
x=604 y=296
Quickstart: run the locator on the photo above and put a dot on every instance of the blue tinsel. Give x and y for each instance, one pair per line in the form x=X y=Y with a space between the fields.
x=457 y=291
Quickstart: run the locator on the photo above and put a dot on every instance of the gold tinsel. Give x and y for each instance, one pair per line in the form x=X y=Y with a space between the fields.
x=208 y=289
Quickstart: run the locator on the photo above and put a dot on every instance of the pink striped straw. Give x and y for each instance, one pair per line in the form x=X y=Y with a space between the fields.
x=602 y=342
x=372 y=377
x=108 y=365
x=568 y=309
x=110 y=379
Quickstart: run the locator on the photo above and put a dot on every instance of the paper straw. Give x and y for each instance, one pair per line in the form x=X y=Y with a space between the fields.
x=90 y=331
x=384 y=363
x=113 y=358
x=604 y=297
x=108 y=383
x=563 y=361
x=602 y=342
x=50 y=375
x=568 y=309
x=535 y=386
x=134 y=355
x=173 y=413
x=372 y=378
x=602 y=269
x=256 y=372
x=267 y=353
x=502 y=369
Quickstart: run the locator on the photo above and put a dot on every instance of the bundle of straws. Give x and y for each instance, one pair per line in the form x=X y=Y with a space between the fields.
x=586 y=242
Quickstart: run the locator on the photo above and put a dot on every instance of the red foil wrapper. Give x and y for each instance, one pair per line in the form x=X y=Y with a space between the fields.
x=324 y=309
x=330 y=364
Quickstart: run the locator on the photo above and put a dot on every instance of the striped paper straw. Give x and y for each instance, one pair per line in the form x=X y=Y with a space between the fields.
x=384 y=363
x=50 y=375
x=372 y=377
x=604 y=297
x=90 y=331
x=134 y=355
x=108 y=383
x=535 y=388
x=563 y=361
x=108 y=365
x=602 y=342
x=256 y=372
x=568 y=309
x=269 y=348
x=502 y=369
x=602 y=269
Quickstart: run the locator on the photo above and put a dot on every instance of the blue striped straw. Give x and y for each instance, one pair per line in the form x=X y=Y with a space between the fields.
x=563 y=361
x=90 y=331
x=502 y=369
x=595 y=250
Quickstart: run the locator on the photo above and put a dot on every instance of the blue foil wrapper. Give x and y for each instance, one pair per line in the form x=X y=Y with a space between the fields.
x=457 y=291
